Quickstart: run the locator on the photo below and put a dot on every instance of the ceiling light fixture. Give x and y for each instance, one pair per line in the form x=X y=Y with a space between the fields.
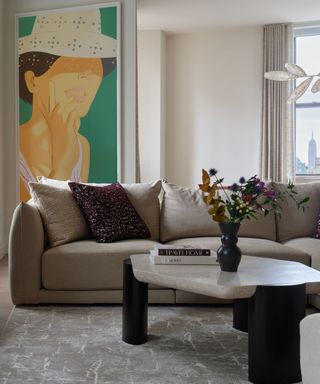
x=294 y=72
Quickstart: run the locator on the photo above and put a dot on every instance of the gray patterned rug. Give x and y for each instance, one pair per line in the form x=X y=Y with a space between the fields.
x=82 y=344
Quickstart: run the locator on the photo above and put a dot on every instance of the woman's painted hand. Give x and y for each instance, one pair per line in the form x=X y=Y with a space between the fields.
x=64 y=124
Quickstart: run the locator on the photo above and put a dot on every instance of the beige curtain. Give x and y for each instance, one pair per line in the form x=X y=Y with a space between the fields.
x=138 y=173
x=277 y=137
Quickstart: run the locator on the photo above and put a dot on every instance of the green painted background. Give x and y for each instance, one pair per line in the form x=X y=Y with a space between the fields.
x=99 y=126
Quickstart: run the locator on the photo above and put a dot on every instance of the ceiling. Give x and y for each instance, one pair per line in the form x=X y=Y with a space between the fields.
x=176 y=16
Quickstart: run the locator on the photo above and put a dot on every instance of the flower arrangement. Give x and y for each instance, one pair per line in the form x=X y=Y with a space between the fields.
x=243 y=200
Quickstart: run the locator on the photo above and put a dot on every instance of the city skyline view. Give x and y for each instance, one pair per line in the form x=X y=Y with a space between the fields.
x=307 y=124
x=309 y=162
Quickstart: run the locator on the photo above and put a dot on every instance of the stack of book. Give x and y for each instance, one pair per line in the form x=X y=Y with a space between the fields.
x=182 y=255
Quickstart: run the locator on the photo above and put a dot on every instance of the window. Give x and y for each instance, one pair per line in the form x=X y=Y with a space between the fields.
x=307 y=108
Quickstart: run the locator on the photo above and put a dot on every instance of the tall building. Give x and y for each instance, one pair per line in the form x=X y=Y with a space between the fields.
x=312 y=153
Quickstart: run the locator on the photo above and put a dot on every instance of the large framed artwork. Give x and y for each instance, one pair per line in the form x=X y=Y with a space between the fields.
x=68 y=99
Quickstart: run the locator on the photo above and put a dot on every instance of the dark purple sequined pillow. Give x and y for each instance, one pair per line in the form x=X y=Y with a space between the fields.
x=109 y=213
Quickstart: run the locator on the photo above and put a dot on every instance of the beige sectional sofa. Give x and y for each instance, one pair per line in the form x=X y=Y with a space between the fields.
x=84 y=271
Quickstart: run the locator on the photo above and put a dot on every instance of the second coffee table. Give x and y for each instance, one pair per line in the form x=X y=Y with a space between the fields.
x=276 y=291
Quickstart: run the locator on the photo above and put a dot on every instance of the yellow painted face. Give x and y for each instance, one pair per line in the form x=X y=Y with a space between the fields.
x=77 y=78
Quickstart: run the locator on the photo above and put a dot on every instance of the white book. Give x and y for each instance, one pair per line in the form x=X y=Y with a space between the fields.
x=183 y=251
x=156 y=259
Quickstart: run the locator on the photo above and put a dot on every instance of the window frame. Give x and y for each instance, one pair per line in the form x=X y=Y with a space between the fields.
x=303 y=31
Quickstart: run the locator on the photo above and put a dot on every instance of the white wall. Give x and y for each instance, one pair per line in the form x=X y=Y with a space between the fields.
x=214 y=82
x=128 y=89
x=151 y=101
x=2 y=234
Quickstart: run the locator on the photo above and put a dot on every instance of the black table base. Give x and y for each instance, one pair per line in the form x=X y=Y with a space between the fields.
x=240 y=314
x=271 y=316
x=135 y=307
x=273 y=338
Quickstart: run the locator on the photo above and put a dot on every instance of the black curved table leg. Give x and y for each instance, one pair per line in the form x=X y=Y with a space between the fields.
x=273 y=338
x=240 y=314
x=135 y=307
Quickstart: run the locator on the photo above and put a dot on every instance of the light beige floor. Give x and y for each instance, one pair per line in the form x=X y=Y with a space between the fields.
x=5 y=299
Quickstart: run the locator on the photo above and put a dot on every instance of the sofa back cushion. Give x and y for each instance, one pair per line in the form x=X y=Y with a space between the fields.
x=145 y=199
x=263 y=227
x=295 y=223
x=184 y=214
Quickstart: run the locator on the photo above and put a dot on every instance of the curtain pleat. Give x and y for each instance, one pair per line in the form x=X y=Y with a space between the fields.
x=138 y=169
x=277 y=136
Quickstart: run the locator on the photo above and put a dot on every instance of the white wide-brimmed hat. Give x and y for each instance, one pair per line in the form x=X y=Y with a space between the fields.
x=71 y=34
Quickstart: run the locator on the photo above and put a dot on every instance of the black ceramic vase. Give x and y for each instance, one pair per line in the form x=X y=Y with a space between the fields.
x=229 y=254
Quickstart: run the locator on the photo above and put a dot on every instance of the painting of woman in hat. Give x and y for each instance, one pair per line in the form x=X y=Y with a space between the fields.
x=62 y=64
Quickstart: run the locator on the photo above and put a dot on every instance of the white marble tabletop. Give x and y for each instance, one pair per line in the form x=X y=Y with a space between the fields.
x=211 y=281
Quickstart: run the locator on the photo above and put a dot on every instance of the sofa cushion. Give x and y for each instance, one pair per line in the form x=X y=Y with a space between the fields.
x=184 y=214
x=308 y=245
x=263 y=227
x=87 y=265
x=60 y=214
x=295 y=223
x=109 y=212
x=251 y=247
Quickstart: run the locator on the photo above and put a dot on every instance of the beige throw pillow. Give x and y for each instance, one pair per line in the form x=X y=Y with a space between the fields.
x=53 y=182
x=61 y=216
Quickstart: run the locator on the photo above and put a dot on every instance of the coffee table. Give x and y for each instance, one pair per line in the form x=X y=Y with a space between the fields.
x=275 y=291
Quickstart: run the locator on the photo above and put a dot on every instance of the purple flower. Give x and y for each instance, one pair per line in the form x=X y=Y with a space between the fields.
x=262 y=184
x=259 y=187
x=242 y=180
x=212 y=172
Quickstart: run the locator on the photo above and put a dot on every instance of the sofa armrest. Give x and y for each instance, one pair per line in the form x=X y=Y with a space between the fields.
x=310 y=348
x=26 y=245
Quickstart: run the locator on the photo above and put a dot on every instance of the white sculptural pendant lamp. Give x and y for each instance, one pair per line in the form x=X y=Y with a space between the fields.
x=293 y=72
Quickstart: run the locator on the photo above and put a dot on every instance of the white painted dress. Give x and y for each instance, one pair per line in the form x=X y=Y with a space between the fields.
x=27 y=176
